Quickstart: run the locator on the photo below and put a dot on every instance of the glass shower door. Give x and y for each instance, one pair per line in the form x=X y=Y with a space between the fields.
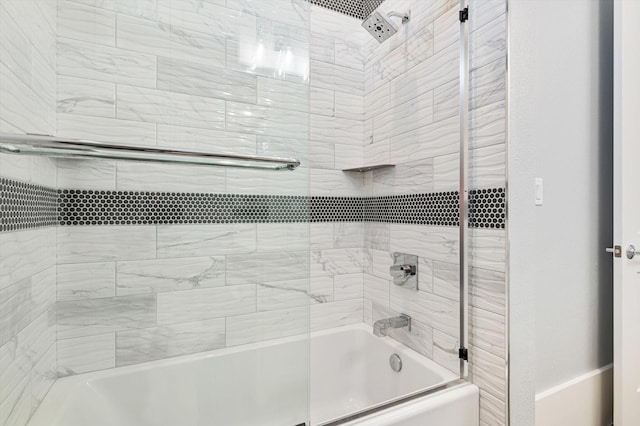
x=193 y=279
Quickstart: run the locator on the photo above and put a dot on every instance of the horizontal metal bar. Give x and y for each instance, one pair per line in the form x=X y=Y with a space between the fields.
x=51 y=146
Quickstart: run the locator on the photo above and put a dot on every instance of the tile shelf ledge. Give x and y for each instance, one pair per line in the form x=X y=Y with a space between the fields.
x=362 y=169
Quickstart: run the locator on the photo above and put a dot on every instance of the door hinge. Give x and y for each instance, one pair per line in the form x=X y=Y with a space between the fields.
x=464 y=14
x=463 y=353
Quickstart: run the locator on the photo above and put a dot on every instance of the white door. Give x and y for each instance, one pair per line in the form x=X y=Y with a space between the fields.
x=627 y=212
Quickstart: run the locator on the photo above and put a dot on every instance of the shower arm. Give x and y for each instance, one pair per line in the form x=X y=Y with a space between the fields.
x=404 y=16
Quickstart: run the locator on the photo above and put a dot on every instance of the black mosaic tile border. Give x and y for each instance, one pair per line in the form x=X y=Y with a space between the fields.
x=487 y=208
x=26 y=206
x=359 y=9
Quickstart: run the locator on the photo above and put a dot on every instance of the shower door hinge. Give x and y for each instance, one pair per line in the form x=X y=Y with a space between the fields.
x=463 y=353
x=464 y=15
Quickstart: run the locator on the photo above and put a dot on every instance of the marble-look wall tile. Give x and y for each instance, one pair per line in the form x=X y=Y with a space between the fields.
x=16 y=48
x=143 y=8
x=322 y=289
x=488 y=166
x=205 y=240
x=108 y=130
x=245 y=181
x=79 y=318
x=335 y=77
x=377 y=236
x=85 y=23
x=79 y=244
x=243 y=329
x=336 y=183
x=95 y=174
x=207 y=303
x=86 y=97
x=282 y=237
x=435 y=71
x=276 y=295
x=15 y=305
x=210 y=17
x=446 y=173
x=488 y=372
x=86 y=60
x=348 y=286
x=136 y=346
x=438 y=312
x=445 y=350
x=206 y=139
x=21 y=106
x=43 y=292
x=323 y=155
x=446 y=29
x=336 y=262
x=43 y=376
x=157 y=106
x=267 y=267
x=348 y=234
x=446 y=280
x=488 y=290
x=259 y=120
x=446 y=100
x=283 y=94
x=156 y=276
x=492 y=410
x=349 y=106
x=160 y=39
x=439 y=138
x=336 y=130
x=347 y=156
x=487 y=331
x=203 y=80
x=415 y=177
x=77 y=281
x=322 y=101
x=84 y=354
x=488 y=43
x=377 y=263
x=336 y=314
x=430 y=242
x=25 y=253
x=162 y=177
x=488 y=125
x=488 y=249
x=349 y=54
x=321 y=235
x=16 y=409
x=487 y=84
x=378 y=290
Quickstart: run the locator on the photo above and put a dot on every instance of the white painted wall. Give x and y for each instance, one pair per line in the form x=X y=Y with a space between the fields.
x=561 y=130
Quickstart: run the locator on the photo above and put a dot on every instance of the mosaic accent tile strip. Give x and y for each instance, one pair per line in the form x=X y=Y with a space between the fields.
x=86 y=207
x=359 y=9
x=26 y=206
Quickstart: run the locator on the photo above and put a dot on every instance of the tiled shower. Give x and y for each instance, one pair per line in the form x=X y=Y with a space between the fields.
x=108 y=263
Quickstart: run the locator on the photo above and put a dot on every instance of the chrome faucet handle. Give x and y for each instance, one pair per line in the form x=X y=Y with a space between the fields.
x=402 y=271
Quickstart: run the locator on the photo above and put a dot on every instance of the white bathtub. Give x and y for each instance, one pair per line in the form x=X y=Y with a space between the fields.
x=265 y=384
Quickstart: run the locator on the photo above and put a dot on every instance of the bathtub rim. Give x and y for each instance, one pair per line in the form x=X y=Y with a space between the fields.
x=63 y=386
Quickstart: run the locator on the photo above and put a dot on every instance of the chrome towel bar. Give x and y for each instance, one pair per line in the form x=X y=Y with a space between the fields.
x=51 y=146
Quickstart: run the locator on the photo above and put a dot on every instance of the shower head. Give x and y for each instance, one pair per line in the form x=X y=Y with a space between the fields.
x=379 y=27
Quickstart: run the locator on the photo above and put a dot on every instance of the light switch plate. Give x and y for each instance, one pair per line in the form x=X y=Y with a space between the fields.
x=539 y=191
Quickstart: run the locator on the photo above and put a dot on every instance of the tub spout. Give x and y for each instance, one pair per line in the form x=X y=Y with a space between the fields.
x=380 y=327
